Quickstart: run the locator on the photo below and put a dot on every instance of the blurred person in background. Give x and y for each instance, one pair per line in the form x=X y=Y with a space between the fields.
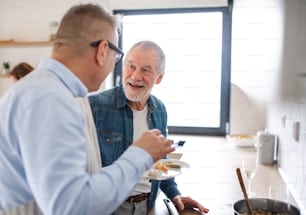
x=19 y=71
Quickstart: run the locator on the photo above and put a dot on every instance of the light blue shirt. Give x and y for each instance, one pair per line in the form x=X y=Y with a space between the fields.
x=43 y=149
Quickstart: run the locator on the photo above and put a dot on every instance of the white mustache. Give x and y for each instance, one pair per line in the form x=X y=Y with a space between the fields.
x=136 y=83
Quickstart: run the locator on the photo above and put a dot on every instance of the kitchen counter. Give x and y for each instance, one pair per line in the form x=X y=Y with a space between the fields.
x=211 y=178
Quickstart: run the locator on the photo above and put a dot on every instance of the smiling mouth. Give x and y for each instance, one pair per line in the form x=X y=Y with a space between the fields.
x=135 y=86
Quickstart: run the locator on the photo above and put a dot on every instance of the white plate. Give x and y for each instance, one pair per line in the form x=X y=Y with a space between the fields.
x=175 y=167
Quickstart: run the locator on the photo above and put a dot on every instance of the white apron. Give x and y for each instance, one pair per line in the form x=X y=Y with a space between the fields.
x=92 y=148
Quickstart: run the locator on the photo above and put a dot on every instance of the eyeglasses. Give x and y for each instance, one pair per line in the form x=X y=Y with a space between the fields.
x=119 y=53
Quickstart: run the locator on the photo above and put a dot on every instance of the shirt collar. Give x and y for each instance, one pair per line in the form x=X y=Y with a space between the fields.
x=66 y=76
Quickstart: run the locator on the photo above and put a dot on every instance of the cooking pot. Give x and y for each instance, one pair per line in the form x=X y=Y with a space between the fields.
x=266 y=204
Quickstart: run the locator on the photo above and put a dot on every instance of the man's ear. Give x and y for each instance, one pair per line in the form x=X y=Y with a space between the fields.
x=101 y=53
x=159 y=78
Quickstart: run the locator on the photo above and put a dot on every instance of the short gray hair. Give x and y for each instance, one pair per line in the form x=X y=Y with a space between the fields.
x=83 y=22
x=161 y=58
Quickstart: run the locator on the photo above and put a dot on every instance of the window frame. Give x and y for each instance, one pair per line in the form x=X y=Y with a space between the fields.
x=223 y=129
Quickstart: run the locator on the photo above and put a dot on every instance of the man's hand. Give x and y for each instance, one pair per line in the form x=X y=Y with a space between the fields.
x=187 y=202
x=155 y=144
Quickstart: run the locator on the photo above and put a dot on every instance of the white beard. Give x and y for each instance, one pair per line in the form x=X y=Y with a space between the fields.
x=135 y=97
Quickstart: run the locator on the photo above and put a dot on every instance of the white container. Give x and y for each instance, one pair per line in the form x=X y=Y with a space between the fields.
x=266 y=148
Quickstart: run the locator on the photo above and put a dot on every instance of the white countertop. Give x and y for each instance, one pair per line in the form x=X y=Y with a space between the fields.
x=212 y=178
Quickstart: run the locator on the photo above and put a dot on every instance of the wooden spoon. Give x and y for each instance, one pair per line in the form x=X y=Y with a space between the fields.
x=246 y=198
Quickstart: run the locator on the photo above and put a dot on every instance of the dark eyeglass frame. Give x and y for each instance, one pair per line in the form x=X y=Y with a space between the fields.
x=119 y=53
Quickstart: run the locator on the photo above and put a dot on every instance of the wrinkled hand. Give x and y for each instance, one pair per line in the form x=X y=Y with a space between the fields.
x=155 y=144
x=187 y=202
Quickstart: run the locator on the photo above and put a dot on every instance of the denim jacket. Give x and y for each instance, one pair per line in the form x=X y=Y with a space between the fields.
x=114 y=123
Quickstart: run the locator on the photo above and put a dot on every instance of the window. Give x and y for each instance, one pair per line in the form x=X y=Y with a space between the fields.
x=195 y=88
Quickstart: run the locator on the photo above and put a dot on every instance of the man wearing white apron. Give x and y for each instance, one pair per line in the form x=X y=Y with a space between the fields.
x=46 y=165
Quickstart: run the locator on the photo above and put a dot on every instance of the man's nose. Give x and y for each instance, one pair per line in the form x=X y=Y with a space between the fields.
x=137 y=75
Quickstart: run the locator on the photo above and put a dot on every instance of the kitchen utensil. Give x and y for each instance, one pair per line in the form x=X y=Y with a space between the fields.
x=275 y=206
x=249 y=206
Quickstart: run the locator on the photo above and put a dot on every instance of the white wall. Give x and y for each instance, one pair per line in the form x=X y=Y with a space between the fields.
x=30 y=21
x=256 y=60
x=268 y=56
x=27 y=21
x=292 y=98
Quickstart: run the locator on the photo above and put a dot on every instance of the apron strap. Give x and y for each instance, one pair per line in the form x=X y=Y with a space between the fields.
x=92 y=146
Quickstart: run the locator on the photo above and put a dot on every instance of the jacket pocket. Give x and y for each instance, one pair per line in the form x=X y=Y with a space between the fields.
x=109 y=143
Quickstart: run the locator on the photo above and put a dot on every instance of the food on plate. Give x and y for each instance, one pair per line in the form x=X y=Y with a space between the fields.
x=161 y=166
x=158 y=170
x=155 y=173
x=172 y=165
x=244 y=136
x=164 y=166
x=242 y=140
x=165 y=169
